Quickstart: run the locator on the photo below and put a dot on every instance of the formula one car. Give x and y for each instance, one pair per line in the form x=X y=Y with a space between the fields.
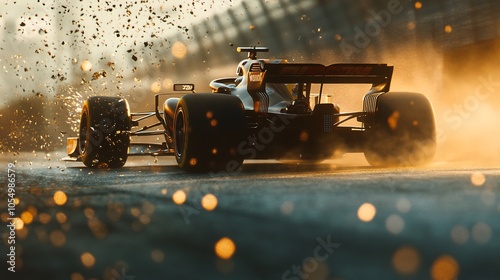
x=271 y=110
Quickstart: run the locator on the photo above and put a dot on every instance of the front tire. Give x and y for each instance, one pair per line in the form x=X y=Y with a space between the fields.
x=105 y=125
x=401 y=132
x=207 y=131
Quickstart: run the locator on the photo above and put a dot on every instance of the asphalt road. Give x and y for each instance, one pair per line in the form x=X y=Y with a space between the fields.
x=338 y=220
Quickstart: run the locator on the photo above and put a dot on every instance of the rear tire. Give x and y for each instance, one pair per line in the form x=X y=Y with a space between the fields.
x=402 y=131
x=104 y=139
x=207 y=131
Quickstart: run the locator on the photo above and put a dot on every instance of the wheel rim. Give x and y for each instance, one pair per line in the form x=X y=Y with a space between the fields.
x=180 y=133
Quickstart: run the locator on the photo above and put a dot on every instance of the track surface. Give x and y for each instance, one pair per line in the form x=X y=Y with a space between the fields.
x=287 y=221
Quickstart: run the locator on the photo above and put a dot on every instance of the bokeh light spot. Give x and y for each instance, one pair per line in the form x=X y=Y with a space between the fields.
x=287 y=208
x=179 y=50
x=448 y=29
x=418 y=5
x=19 y=224
x=60 y=198
x=44 y=218
x=61 y=217
x=88 y=260
x=136 y=212
x=459 y=234
x=157 y=256
x=155 y=87
x=444 y=268
x=394 y=224
x=481 y=233
x=367 y=212
x=179 y=197
x=406 y=260
x=145 y=219
x=225 y=248
x=403 y=205
x=209 y=202
x=97 y=227
x=27 y=217
x=86 y=65
x=57 y=238
x=89 y=212
x=478 y=179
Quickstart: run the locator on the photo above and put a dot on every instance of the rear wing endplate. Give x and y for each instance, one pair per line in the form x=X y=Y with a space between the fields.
x=379 y=75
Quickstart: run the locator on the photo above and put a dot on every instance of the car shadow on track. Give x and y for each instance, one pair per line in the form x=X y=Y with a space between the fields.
x=297 y=168
x=250 y=167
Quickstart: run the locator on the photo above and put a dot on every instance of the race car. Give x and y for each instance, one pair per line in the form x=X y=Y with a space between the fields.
x=271 y=109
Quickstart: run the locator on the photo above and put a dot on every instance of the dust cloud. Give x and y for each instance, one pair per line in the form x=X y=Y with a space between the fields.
x=463 y=85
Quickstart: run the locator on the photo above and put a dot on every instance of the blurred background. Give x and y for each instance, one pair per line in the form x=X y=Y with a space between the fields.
x=54 y=55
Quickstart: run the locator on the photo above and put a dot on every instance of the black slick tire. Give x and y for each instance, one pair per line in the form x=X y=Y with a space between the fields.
x=401 y=132
x=104 y=139
x=207 y=131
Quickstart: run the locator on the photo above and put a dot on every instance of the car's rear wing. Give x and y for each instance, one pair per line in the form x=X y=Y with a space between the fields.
x=379 y=75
